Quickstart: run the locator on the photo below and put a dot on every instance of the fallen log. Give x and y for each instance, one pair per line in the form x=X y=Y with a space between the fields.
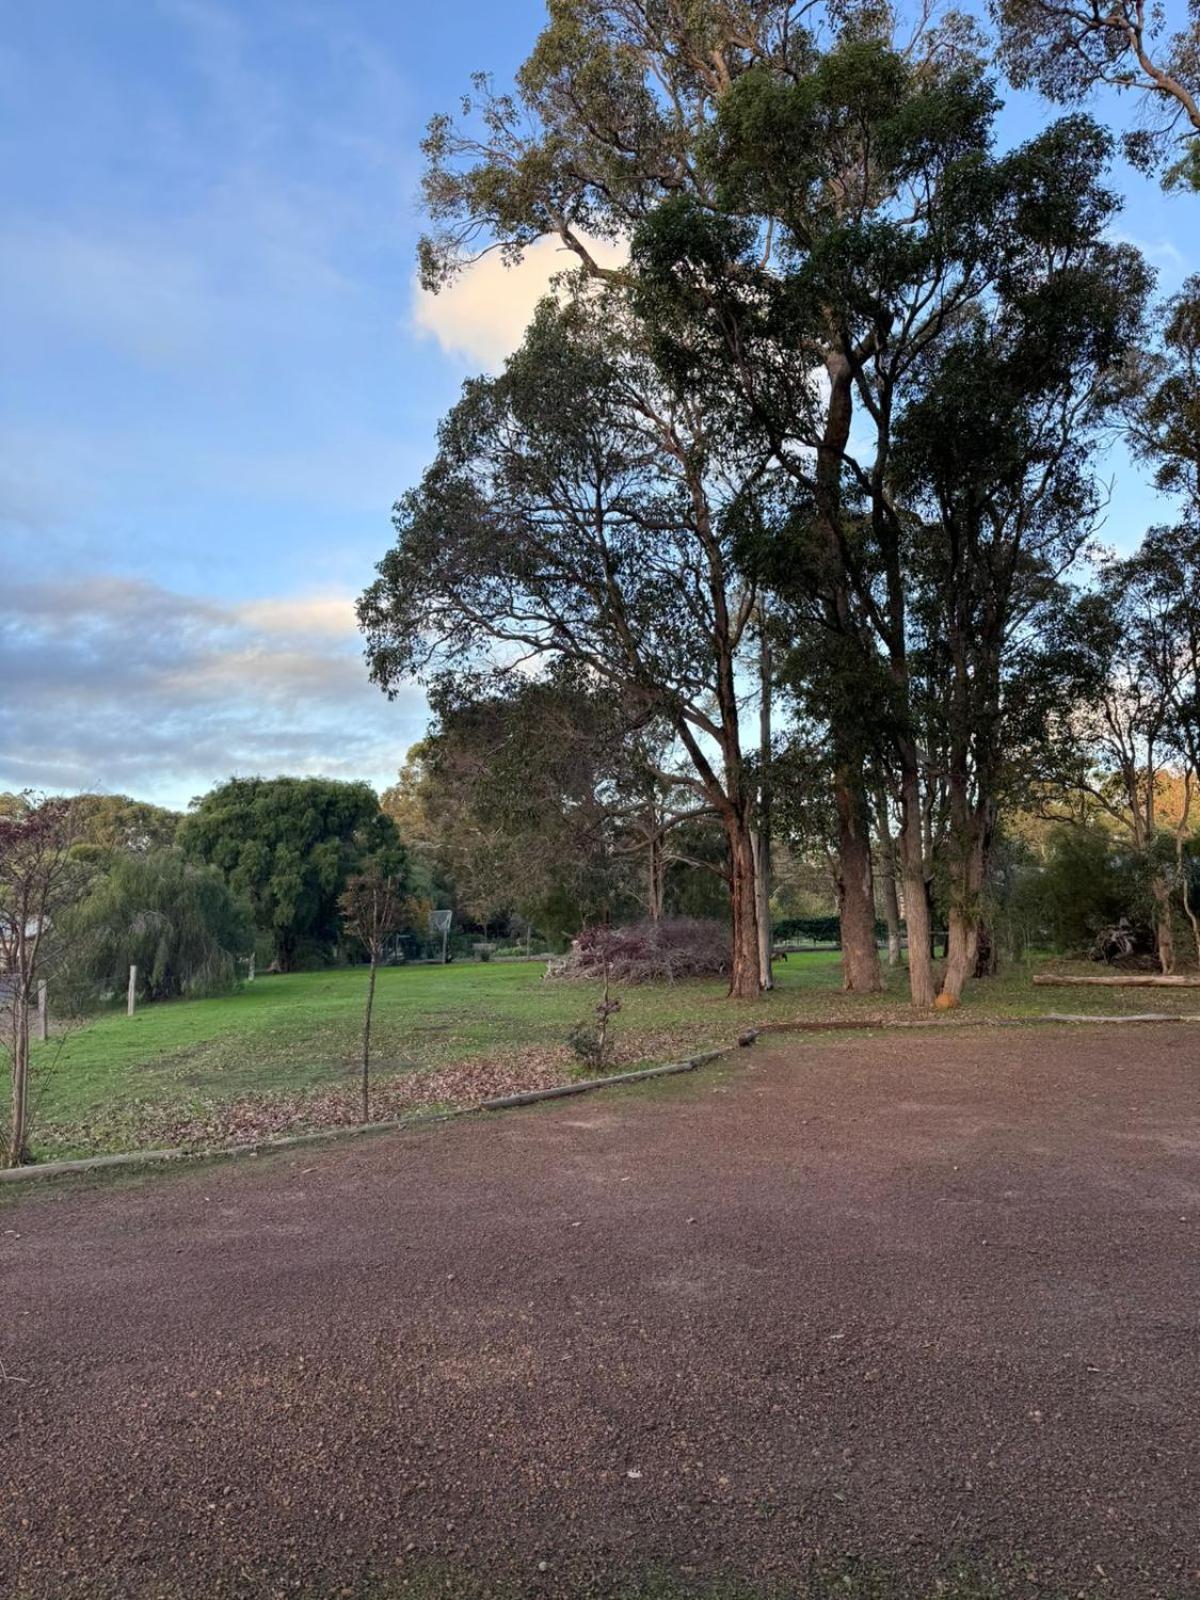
x=1129 y=980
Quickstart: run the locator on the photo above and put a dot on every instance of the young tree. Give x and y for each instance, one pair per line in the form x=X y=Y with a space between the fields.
x=372 y=907
x=582 y=510
x=39 y=880
x=287 y=846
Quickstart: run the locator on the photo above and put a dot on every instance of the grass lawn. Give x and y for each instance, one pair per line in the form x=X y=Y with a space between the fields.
x=204 y=1070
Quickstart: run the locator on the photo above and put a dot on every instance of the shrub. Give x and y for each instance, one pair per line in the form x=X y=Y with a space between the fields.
x=646 y=952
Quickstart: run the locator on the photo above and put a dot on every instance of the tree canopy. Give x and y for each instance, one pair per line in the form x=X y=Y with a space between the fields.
x=287 y=846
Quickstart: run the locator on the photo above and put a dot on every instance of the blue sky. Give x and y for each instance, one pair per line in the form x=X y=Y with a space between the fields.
x=217 y=375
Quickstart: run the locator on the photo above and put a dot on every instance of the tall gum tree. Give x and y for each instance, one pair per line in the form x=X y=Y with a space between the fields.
x=610 y=118
x=997 y=456
x=580 y=509
x=1069 y=48
x=894 y=225
x=813 y=203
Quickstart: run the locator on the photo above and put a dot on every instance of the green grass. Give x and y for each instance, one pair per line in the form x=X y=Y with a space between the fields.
x=282 y=1035
x=845 y=1580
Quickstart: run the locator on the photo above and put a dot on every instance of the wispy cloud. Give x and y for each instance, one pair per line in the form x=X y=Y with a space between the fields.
x=1160 y=252
x=122 y=684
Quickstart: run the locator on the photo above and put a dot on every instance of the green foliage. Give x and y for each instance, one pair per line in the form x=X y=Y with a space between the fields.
x=1088 y=880
x=111 y=824
x=1068 y=51
x=820 y=930
x=288 y=846
x=178 y=922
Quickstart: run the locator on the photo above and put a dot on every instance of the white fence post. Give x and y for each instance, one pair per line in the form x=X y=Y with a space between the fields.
x=131 y=999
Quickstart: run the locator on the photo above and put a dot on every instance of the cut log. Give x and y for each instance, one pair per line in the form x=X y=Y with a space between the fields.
x=1130 y=980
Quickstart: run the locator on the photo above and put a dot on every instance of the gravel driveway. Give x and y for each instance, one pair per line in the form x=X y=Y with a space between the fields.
x=894 y=1298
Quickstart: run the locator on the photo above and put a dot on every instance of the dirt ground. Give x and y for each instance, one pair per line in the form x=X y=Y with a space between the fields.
x=895 y=1298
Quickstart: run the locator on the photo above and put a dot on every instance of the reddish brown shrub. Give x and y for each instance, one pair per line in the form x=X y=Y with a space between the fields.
x=647 y=952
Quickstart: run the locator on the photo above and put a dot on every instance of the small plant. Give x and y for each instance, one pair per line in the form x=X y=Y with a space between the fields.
x=485 y=951
x=590 y=1040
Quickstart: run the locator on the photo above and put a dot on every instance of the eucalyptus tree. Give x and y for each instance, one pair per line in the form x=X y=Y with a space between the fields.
x=997 y=456
x=824 y=350
x=1163 y=402
x=635 y=121
x=812 y=204
x=582 y=509
x=1069 y=48
x=550 y=780
x=1143 y=728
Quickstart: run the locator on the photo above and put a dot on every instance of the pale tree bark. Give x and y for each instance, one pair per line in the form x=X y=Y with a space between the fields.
x=1164 y=924
x=656 y=875
x=887 y=878
x=745 y=971
x=918 y=920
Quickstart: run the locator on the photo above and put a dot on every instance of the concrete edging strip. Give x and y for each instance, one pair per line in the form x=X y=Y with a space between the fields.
x=140 y=1158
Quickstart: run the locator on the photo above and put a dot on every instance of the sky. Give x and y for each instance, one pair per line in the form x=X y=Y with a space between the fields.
x=218 y=372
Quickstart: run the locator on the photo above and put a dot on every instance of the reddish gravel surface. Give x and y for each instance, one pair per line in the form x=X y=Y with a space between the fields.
x=893 y=1297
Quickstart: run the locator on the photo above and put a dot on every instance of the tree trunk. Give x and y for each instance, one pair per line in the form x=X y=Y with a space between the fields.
x=971 y=833
x=1164 y=932
x=962 y=952
x=745 y=976
x=916 y=895
x=18 y=1132
x=366 y=1055
x=856 y=887
x=656 y=873
x=762 y=908
x=987 y=955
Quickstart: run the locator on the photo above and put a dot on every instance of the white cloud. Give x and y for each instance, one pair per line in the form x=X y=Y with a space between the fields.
x=119 y=684
x=313 y=617
x=482 y=316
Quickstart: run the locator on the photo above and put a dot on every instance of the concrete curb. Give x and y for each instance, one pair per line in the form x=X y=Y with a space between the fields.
x=141 y=1158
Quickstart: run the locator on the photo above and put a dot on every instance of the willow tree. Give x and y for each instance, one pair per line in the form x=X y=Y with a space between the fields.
x=582 y=509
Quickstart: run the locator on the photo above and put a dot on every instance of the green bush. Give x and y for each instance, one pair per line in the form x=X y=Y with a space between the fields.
x=1087 y=880
x=177 y=922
